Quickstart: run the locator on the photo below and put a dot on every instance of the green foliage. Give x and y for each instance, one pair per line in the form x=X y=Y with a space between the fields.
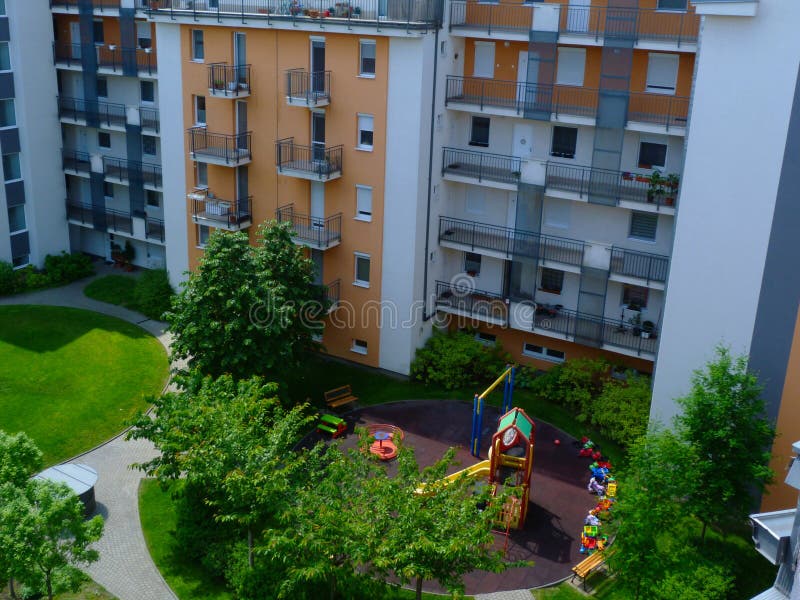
x=153 y=293
x=456 y=359
x=65 y=268
x=622 y=409
x=19 y=458
x=574 y=384
x=114 y=289
x=724 y=420
x=696 y=580
x=9 y=282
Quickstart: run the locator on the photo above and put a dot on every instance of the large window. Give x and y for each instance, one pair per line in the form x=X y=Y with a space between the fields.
x=153 y=198
x=149 y=145
x=652 y=155
x=11 y=168
x=144 y=36
x=98 y=33
x=16 y=218
x=148 y=92
x=201 y=175
x=479 y=133
x=367 y=58
x=643 y=226
x=8 y=116
x=571 y=66
x=200 y=110
x=108 y=190
x=5 y=59
x=363 y=203
x=366 y=127
x=362 y=270
x=203 y=231
x=198 y=50
x=552 y=281
x=484 y=60
x=102 y=87
x=662 y=72
x=634 y=297
x=565 y=141
x=104 y=139
x=472 y=263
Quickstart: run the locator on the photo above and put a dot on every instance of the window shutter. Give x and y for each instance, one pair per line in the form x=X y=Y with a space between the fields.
x=571 y=66
x=643 y=225
x=662 y=73
x=484 y=60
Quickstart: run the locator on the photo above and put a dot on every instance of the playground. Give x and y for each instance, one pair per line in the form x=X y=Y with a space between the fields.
x=558 y=503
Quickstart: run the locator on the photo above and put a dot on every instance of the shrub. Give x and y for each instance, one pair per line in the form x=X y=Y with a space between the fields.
x=456 y=359
x=622 y=409
x=65 y=268
x=9 y=280
x=573 y=384
x=153 y=293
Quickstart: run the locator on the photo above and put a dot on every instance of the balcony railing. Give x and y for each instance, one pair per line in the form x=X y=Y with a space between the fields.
x=658 y=109
x=332 y=292
x=630 y=23
x=106 y=113
x=115 y=58
x=405 y=14
x=614 y=185
x=316 y=232
x=226 y=214
x=510 y=242
x=229 y=81
x=74 y=160
x=308 y=88
x=219 y=147
x=121 y=169
x=317 y=160
x=153 y=228
x=67 y=54
x=594 y=330
x=630 y=263
x=100 y=5
x=481 y=165
x=149 y=118
x=85 y=214
x=464 y=299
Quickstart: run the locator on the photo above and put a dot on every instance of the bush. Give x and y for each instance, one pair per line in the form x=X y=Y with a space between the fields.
x=622 y=409
x=456 y=359
x=65 y=268
x=153 y=293
x=9 y=280
x=573 y=385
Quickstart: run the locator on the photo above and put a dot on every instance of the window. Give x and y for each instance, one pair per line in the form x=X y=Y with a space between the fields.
x=108 y=190
x=367 y=58
x=634 y=297
x=536 y=351
x=102 y=87
x=565 y=140
x=486 y=338
x=147 y=91
x=97 y=32
x=203 y=231
x=643 y=226
x=2 y=7
x=11 y=169
x=143 y=34
x=652 y=155
x=8 y=116
x=149 y=145
x=201 y=175
x=479 y=134
x=359 y=346
x=153 y=198
x=198 y=52
x=484 y=60
x=20 y=261
x=671 y=5
x=5 y=59
x=662 y=73
x=571 y=66
x=472 y=263
x=199 y=110
x=552 y=281
x=365 y=131
x=362 y=270
x=103 y=139
x=363 y=203
x=16 y=218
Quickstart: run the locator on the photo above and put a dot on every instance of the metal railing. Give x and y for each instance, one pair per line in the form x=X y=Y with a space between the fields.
x=225 y=213
x=100 y=5
x=116 y=57
x=507 y=17
x=318 y=160
x=481 y=165
x=115 y=220
x=149 y=118
x=615 y=185
x=511 y=242
x=332 y=292
x=120 y=169
x=74 y=160
x=315 y=231
x=77 y=211
x=406 y=14
x=309 y=87
x=67 y=54
x=659 y=109
x=477 y=303
x=153 y=228
x=78 y=109
x=631 y=263
x=229 y=80
x=232 y=149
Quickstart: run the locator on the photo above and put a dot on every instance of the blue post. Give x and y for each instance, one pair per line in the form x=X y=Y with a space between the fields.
x=505 y=396
x=511 y=388
x=474 y=442
x=477 y=452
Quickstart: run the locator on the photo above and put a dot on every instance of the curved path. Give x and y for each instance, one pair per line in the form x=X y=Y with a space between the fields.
x=125 y=568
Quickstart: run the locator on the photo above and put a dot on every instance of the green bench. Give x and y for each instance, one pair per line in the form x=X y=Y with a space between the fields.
x=336 y=426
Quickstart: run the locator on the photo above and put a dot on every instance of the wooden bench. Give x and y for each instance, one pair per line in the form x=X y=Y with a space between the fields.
x=339 y=396
x=587 y=565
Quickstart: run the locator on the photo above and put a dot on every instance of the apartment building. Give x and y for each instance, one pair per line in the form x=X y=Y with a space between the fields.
x=31 y=198
x=106 y=70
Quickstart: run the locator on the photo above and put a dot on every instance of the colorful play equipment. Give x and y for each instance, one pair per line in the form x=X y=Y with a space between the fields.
x=331 y=424
x=386 y=439
x=507 y=379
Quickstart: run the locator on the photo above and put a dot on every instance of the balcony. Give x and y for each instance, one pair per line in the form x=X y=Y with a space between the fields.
x=630 y=266
x=315 y=232
x=309 y=89
x=76 y=162
x=228 y=81
x=466 y=301
x=86 y=214
x=506 y=243
x=315 y=163
x=102 y=6
x=149 y=119
x=123 y=171
x=579 y=183
x=659 y=110
x=233 y=215
x=67 y=55
x=331 y=293
x=219 y=148
x=82 y=112
x=410 y=15
x=118 y=60
x=468 y=166
x=640 y=25
x=154 y=229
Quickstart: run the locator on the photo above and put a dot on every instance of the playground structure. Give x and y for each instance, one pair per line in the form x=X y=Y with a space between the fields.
x=386 y=440
x=478 y=407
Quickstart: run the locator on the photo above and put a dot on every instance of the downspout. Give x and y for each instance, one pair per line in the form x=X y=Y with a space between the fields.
x=425 y=316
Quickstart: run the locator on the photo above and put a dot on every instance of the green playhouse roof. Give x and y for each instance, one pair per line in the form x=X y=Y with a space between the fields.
x=518 y=419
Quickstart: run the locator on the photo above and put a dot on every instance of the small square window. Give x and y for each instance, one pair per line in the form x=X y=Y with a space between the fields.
x=486 y=338
x=200 y=110
x=148 y=91
x=203 y=233
x=104 y=139
x=643 y=226
x=362 y=270
x=479 y=134
x=540 y=352
x=366 y=126
x=634 y=297
x=149 y=145
x=198 y=50
x=5 y=59
x=153 y=198
x=565 y=140
x=672 y=4
x=97 y=32
x=108 y=190
x=8 y=116
x=552 y=281
x=652 y=156
x=201 y=175
x=367 y=58
x=359 y=346
x=16 y=218
x=472 y=264
x=102 y=87
x=363 y=203
x=20 y=261
x=11 y=168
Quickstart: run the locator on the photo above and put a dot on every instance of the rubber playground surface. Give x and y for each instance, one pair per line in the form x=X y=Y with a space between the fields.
x=559 y=501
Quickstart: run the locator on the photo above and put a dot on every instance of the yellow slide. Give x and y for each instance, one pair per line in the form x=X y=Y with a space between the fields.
x=480 y=469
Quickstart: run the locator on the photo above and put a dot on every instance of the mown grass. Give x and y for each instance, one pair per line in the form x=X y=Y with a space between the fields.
x=114 y=289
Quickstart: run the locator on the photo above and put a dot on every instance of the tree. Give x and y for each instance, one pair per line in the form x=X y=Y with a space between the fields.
x=622 y=409
x=246 y=310
x=724 y=420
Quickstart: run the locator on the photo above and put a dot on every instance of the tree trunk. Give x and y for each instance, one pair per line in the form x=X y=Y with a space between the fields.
x=11 y=589
x=333 y=587
x=419 y=588
x=250 y=561
x=49 y=580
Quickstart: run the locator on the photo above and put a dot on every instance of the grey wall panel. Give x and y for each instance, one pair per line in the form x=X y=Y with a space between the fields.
x=9 y=140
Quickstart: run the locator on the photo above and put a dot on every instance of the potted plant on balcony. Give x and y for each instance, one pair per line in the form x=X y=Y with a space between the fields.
x=648 y=327
x=657 y=188
x=356 y=12
x=219 y=84
x=636 y=323
x=672 y=182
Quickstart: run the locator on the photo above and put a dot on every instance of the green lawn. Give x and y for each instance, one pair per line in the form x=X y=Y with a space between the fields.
x=114 y=289
x=71 y=378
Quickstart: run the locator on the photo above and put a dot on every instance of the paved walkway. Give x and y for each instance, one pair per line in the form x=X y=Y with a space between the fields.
x=125 y=568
